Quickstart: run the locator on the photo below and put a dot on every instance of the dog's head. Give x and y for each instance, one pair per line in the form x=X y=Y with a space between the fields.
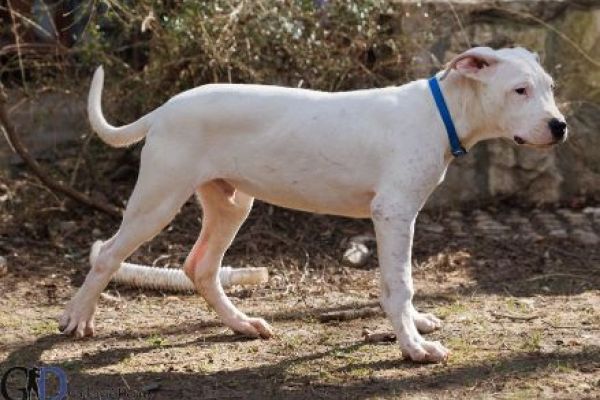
x=515 y=94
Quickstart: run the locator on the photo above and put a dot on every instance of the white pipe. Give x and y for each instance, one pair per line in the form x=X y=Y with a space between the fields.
x=171 y=279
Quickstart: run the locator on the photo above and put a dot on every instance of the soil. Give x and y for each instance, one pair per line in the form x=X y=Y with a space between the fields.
x=521 y=315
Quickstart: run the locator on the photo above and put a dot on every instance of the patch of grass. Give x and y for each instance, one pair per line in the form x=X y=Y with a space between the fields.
x=128 y=360
x=157 y=341
x=564 y=367
x=293 y=342
x=7 y=322
x=343 y=352
x=522 y=394
x=533 y=341
x=360 y=372
x=72 y=365
x=325 y=338
x=460 y=349
x=516 y=306
x=44 y=328
x=325 y=375
x=451 y=309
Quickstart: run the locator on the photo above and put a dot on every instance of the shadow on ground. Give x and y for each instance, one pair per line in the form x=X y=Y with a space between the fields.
x=517 y=268
x=275 y=380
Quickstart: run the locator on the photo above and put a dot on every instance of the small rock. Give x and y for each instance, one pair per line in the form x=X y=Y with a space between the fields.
x=67 y=226
x=455 y=214
x=558 y=233
x=526 y=303
x=594 y=211
x=532 y=236
x=3 y=266
x=491 y=226
x=151 y=387
x=365 y=238
x=550 y=223
x=434 y=228
x=357 y=254
x=547 y=349
x=586 y=369
x=457 y=228
x=480 y=215
x=585 y=237
x=96 y=233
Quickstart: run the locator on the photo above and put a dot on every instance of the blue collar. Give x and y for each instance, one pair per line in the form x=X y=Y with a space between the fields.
x=455 y=146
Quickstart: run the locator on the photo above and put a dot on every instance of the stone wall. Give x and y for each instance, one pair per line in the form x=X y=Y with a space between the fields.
x=566 y=34
x=45 y=121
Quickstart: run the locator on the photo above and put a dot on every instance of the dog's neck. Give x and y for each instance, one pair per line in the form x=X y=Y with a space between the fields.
x=467 y=109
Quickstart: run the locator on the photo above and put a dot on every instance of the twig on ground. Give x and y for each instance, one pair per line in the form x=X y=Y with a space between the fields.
x=378 y=337
x=125 y=382
x=347 y=315
x=18 y=44
x=83 y=149
x=38 y=171
x=515 y=317
x=584 y=259
x=557 y=275
x=584 y=328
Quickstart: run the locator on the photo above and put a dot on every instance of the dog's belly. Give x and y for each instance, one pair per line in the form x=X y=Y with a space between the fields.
x=321 y=200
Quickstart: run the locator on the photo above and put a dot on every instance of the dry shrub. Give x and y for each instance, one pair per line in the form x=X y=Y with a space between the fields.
x=326 y=45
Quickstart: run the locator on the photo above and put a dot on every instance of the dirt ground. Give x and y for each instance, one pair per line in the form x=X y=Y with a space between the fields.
x=521 y=313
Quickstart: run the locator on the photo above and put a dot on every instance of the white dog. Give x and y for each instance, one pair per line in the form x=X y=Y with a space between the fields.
x=370 y=153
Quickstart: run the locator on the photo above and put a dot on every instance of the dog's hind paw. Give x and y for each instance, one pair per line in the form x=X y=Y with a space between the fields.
x=252 y=327
x=77 y=322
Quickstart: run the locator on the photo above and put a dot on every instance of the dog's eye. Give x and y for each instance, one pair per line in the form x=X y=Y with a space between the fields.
x=521 y=91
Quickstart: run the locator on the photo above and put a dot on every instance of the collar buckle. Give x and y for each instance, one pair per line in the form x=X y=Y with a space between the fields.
x=459 y=152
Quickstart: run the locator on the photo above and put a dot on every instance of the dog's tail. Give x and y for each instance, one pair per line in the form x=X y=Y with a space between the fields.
x=114 y=136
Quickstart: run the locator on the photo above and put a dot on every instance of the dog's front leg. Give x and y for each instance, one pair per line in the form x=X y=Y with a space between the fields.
x=394 y=225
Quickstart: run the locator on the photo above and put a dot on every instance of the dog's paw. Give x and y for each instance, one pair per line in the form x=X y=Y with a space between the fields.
x=252 y=327
x=77 y=321
x=426 y=323
x=425 y=352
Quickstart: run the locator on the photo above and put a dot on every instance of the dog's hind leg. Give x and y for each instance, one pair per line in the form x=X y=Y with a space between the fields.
x=224 y=209
x=158 y=195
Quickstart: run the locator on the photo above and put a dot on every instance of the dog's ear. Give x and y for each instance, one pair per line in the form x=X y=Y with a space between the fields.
x=477 y=63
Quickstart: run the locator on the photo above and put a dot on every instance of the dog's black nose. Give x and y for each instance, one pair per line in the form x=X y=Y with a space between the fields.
x=558 y=128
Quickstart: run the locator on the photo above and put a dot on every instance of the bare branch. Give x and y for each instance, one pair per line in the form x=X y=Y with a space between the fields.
x=16 y=143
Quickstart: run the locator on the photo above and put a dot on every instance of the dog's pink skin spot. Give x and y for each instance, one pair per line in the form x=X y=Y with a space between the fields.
x=225 y=187
x=195 y=256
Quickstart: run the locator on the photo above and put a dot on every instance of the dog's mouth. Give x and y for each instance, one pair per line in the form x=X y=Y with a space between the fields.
x=519 y=140
x=522 y=142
